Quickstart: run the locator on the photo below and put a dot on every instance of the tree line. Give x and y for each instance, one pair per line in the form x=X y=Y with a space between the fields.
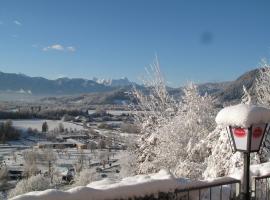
x=8 y=132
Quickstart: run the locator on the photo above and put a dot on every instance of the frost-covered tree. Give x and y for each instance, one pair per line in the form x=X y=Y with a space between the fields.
x=3 y=175
x=30 y=162
x=220 y=161
x=157 y=107
x=246 y=98
x=153 y=109
x=262 y=94
x=171 y=127
x=127 y=164
x=196 y=121
x=49 y=157
x=180 y=134
x=176 y=141
x=85 y=177
x=262 y=84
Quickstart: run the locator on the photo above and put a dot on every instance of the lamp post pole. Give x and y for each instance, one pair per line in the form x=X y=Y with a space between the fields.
x=246 y=178
x=245 y=185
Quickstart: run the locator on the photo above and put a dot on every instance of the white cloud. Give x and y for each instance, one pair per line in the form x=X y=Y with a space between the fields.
x=59 y=47
x=71 y=48
x=17 y=22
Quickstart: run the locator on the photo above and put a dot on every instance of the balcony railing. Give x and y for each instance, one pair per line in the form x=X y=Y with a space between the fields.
x=262 y=187
x=225 y=188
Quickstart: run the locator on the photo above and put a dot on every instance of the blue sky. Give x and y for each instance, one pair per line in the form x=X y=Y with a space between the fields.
x=197 y=41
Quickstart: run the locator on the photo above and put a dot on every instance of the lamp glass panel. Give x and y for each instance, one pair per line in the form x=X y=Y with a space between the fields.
x=257 y=136
x=240 y=136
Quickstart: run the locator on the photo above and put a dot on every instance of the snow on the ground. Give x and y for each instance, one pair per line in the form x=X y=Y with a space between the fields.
x=112 y=112
x=37 y=124
x=243 y=115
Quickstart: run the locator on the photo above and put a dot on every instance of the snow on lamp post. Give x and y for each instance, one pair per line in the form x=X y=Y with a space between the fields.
x=246 y=125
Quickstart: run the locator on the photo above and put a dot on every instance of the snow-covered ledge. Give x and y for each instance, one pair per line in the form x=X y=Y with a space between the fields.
x=130 y=187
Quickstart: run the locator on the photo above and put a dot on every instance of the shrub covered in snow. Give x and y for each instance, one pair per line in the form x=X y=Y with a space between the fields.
x=85 y=177
x=3 y=175
x=34 y=183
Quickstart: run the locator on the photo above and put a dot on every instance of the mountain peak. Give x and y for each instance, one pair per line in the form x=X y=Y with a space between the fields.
x=123 y=81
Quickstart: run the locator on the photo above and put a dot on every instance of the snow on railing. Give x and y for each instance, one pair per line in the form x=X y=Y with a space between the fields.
x=161 y=185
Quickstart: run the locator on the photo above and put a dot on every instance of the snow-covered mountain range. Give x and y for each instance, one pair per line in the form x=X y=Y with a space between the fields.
x=21 y=84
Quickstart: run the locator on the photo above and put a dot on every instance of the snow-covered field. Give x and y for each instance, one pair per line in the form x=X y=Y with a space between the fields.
x=5 y=150
x=69 y=156
x=12 y=152
x=129 y=136
x=113 y=112
x=37 y=124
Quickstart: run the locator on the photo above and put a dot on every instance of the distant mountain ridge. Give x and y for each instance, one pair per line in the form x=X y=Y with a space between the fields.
x=114 y=90
x=229 y=91
x=234 y=90
x=20 y=83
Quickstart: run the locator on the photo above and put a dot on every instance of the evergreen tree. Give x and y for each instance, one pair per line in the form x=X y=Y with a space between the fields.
x=61 y=127
x=45 y=127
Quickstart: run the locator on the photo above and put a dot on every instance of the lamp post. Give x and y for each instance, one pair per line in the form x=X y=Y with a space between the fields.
x=247 y=140
x=246 y=126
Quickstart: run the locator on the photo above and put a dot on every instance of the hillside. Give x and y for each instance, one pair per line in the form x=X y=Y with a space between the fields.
x=234 y=90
